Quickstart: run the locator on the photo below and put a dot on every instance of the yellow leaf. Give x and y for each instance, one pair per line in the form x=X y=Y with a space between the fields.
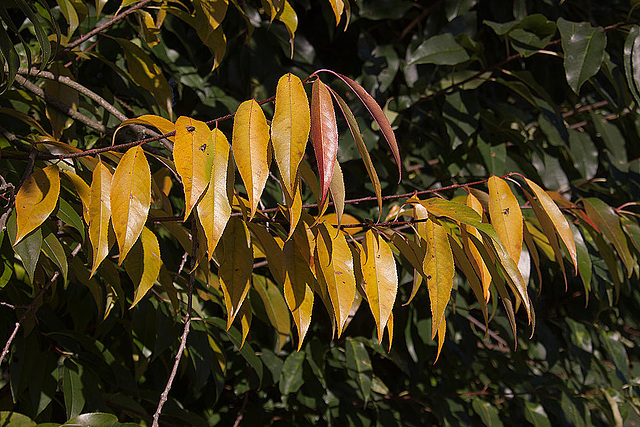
x=338 y=192
x=442 y=329
x=334 y=269
x=213 y=10
x=36 y=199
x=380 y=278
x=290 y=127
x=439 y=270
x=332 y=218
x=390 y=329
x=559 y=221
x=506 y=216
x=463 y=262
x=274 y=306
x=160 y=123
x=472 y=253
x=419 y=248
x=250 y=145
x=214 y=210
x=209 y=16
x=297 y=275
x=83 y=190
x=337 y=6
x=236 y=266
x=193 y=154
x=99 y=214
x=302 y=315
x=245 y=315
x=294 y=208
x=130 y=198
x=143 y=264
x=290 y=20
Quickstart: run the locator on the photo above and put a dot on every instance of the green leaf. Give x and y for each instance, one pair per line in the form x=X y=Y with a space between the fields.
x=584 y=152
x=14 y=419
x=96 y=419
x=583 y=47
x=55 y=252
x=608 y=222
x=632 y=62
x=359 y=366
x=72 y=387
x=440 y=50
x=291 y=375
x=488 y=413
x=536 y=415
x=275 y=307
x=28 y=249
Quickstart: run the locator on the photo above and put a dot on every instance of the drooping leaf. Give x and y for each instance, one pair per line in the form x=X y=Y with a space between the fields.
x=214 y=210
x=143 y=264
x=439 y=271
x=83 y=191
x=583 y=47
x=74 y=399
x=208 y=17
x=99 y=214
x=193 y=154
x=250 y=141
x=380 y=279
x=559 y=221
x=362 y=148
x=53 y=249
x=290 y=127
x=338 y=192
x=324 y=135
x=506 y=216
x=585 y=267
x=271 y=249
x=275 y=307
x=294 y=207
x=359 y=366
x=130 y=198
x=63 y=93
x=464 y=264
x=334 y=270
x=338 y=7
x=236 y=267
x=28 y=249
x=246 y=315
x=289 y=18
x=36 y=199
x=291 y=378
x=609 y=224
x=471 y=251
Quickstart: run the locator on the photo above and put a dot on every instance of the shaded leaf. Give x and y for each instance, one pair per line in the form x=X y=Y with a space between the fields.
x=440 y=50
x=632 y=62
x=359 y=366
x=55 y=252
x=583 y=47
x=236 y=266
x=275 y=307
x=380 y=278
x=28 y=249
x=163 y=125
x=291 y=375
x=143 y=264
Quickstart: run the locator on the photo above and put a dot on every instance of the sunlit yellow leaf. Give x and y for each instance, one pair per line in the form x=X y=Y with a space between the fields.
x=208 y=17
x=271 y=249
x=36 y=199
x=236 y=267
x=380 y=279
x=83 y=191
x=294 y=208
x=337 y=6
x=100 y=214
x=214 y=209
x=130 y=198
x=290 y=20
x=149 y=28
x=559 y=221
x=464 y=264
x=419 y=248
x=334 y=269
x=297 y=287
x=442 y=329
x=389 y=328
x=506 y=216
x=332 y=219
x=193 y=154
x=474 y=256
x=439 y=270
x=160 y=123
x=250 y=142
x=143 y=264
x=290 y=127
x=302 y=315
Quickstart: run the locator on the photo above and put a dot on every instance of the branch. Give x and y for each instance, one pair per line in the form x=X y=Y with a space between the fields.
x=66 y=109
x=187 y=324
x=106 y=25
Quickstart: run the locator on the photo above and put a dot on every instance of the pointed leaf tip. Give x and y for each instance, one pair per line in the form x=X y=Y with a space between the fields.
x=36 y=199
x=324 y=134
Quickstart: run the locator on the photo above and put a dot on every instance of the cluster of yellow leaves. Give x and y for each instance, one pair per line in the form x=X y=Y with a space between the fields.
x=482 y=235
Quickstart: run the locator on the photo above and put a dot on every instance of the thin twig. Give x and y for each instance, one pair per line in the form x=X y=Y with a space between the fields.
x=39 y=92
x=187 y=324
x=241 y=411
x=106 y=25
